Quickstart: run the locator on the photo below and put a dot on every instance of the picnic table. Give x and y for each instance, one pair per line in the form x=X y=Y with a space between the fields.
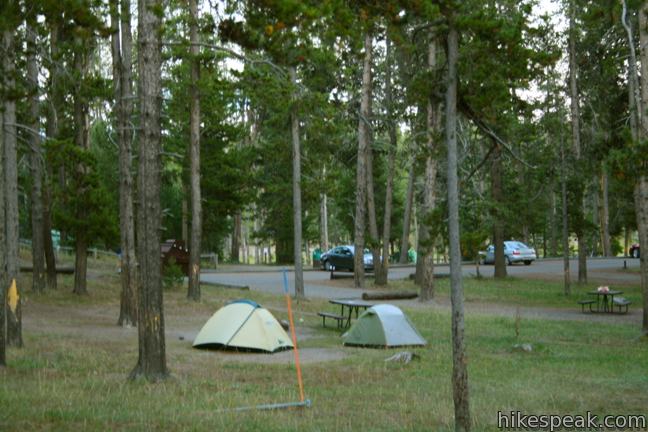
x=348 y=306
x=605 y=300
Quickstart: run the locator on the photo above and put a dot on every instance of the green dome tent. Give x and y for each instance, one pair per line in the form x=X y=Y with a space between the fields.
x=243 y=325
x=383 y=325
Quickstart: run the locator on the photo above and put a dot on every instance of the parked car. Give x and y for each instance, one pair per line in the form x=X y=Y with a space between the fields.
x=341 y=258
x=635 y=252
x=514 y=252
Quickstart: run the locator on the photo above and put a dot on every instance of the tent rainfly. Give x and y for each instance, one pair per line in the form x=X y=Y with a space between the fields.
x=383 y=325
x=243 y=325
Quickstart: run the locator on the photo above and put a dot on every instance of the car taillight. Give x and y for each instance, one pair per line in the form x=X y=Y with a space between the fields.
x=516 y=252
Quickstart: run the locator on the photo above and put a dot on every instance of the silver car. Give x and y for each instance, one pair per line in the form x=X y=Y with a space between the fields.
x=514 y=252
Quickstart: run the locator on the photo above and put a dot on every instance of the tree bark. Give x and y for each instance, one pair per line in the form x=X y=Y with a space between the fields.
x=236 y=237
x=82 y=126
x=605 y=213
x=36 y=165
x=459 y=360
x=565 y=221
x=636 y=110
x=553 y=245
x=122 y=66
x=641 y=210
x=194 y=156
x=80 y=262
x=151 y=362
x=184 y=218
x=576 y=142
x=361 y=169
x=374 y=241
x=324 y=242
x=129 y=307
x=382 y=274
x=14 y=318
x=498 y=221
x=409 y=199
x=641 y=182
x=3 y=253
x=297 y=204
x=426 y=242
x=52 y=133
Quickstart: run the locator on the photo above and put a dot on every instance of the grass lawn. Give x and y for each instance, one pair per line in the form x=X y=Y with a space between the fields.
x=522 y=292
x=72 y=373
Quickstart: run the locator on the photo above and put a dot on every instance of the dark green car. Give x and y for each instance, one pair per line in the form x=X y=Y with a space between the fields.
x=341 y=258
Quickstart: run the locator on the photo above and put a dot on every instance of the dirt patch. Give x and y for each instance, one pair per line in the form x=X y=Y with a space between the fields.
x=97 y=325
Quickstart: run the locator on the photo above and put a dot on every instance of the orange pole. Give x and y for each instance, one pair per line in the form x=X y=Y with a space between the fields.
x=294 y=339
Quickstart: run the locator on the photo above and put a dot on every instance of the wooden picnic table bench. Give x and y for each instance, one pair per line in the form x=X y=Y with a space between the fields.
x=621 y=302
x=589 y=302
x=339 y=318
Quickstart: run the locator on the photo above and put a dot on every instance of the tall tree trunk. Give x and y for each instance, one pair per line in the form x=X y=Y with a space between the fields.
x=635 y=103
x=184 y=218
x=374 y=241
x=498 y=217
x=245 y=244
x=605 y=213
x=459 y=360
x=129 y=307
x=565 y=221
x=595 y=239
x=38 y=253
x=576 y=143
x=151 y=363
x=52 y=133
x=122 y=65
x=407 y=218
x=14 y=318
x=82 y=126
x=3 y=253
x=382 y=275
x=48 y=244
x=324 y=236
x=297 y=204
x=426 y=241
x=194 y=156
x=236 y=237
x=641 y=183
x=361 y=170
x=80 y=261
x=553 y=245
x=641 y=210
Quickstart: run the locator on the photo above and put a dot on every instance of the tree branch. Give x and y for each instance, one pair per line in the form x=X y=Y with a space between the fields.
x=481 y=164
x=234 y=54
x=466 y=110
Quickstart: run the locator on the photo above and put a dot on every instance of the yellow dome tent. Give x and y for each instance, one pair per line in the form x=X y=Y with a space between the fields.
x=243 y=325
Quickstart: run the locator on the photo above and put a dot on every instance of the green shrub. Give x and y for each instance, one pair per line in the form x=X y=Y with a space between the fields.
x=172 y=275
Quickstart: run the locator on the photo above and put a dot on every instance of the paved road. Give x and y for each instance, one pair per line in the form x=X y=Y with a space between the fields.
x=316 y=283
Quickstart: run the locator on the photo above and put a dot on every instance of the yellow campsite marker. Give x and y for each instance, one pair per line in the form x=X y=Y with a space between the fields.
x=13 y=296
